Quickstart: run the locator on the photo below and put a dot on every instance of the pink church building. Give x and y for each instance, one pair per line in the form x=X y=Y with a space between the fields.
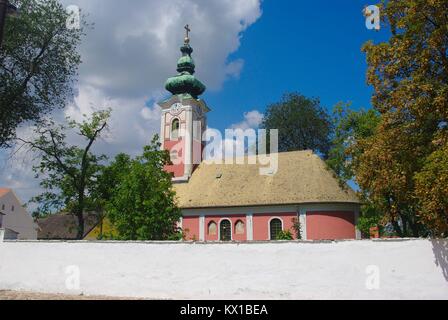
x=234 y=202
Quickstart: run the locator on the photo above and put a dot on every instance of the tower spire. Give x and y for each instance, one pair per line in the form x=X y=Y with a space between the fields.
x=185 y=82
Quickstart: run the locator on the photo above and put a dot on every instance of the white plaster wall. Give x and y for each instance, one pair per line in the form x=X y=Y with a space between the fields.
x=18 y=220
x=415 y=269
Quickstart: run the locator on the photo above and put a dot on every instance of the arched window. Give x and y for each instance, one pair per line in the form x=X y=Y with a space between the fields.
x=212 y=228
x=225 y=231
x=175 y=126
x=239 y=227
x=275 y=227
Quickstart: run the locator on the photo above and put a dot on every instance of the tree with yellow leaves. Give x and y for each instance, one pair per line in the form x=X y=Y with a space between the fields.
x=403 y=168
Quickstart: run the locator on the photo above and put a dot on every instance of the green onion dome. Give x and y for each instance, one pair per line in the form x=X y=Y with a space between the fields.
x=185 y=82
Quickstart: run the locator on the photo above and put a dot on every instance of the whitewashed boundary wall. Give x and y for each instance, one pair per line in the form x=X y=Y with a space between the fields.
x=392 y=269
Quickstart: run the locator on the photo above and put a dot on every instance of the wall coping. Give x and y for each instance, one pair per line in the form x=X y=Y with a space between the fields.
x=202 y=243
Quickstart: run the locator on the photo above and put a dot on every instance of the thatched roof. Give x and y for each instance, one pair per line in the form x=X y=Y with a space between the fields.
x=64 y=226
x=302 y=177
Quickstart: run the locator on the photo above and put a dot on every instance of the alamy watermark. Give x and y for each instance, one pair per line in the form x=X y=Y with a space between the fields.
x=373 y=277
x=73 y=279
x=373 y=17
x=239 y=147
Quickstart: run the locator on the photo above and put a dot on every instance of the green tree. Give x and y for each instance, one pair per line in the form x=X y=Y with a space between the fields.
x=108 y=179
x=349 y=127
x=70 y=173
x=297 y=227
x=409 y=74
x=284 y=235
x=302 y=123
x=370 y=217
x=142 y=205
x=38 y=64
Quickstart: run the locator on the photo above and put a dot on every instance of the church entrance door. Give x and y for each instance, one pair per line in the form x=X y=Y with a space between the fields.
x=225 y=231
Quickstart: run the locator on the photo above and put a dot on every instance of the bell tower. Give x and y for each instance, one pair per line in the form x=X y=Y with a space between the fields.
x=184 y=117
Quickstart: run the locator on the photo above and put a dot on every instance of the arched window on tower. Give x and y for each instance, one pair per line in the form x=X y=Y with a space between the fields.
x=175 y=128
x=275 y=227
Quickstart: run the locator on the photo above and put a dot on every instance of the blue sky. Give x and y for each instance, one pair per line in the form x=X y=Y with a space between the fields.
x=313 y=47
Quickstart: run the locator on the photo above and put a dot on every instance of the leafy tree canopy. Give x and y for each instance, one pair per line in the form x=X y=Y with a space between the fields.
x=349 y=127
x=141 y=203
x=39 y=60
x=401 y=167
x=302 y=123
x=70 y=173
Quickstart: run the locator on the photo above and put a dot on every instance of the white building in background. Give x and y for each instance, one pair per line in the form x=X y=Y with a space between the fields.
x=15 y=220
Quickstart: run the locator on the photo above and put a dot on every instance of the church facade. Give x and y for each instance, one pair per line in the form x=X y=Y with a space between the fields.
x=234 y=202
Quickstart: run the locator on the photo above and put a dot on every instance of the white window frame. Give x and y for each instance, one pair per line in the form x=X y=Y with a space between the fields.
x=171 y=129
x=269 y=226
x=219 y=229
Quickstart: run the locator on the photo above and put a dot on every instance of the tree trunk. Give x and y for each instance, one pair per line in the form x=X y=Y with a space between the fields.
x=80 y=214
x=404 y=226
x=80 y=217
x=414 y=228
x=397 y=228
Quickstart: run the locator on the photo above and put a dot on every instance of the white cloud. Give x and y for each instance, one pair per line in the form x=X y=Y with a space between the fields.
x=230 y=146
x=252 y=120
x=127 y=57
x=134 y=46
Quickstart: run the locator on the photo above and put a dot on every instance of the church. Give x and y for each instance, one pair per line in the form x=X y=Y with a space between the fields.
x=234 y=202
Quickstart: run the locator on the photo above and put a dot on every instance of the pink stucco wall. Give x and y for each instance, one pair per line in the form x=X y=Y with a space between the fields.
x=176 y=169
x=190 y=225
x=261 y=224
x=233 y=220
x=330 y=225
x=320 y=225
x=198 y=148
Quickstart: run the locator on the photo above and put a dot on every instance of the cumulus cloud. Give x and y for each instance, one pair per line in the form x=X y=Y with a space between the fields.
x=134 y=47
x=234 y=146
x=252 y=120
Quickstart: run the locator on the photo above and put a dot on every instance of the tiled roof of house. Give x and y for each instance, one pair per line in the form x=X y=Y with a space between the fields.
x=302 y=177
x=64 y=226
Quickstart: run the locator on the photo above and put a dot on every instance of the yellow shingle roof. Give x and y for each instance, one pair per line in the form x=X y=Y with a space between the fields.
x=302 y=177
